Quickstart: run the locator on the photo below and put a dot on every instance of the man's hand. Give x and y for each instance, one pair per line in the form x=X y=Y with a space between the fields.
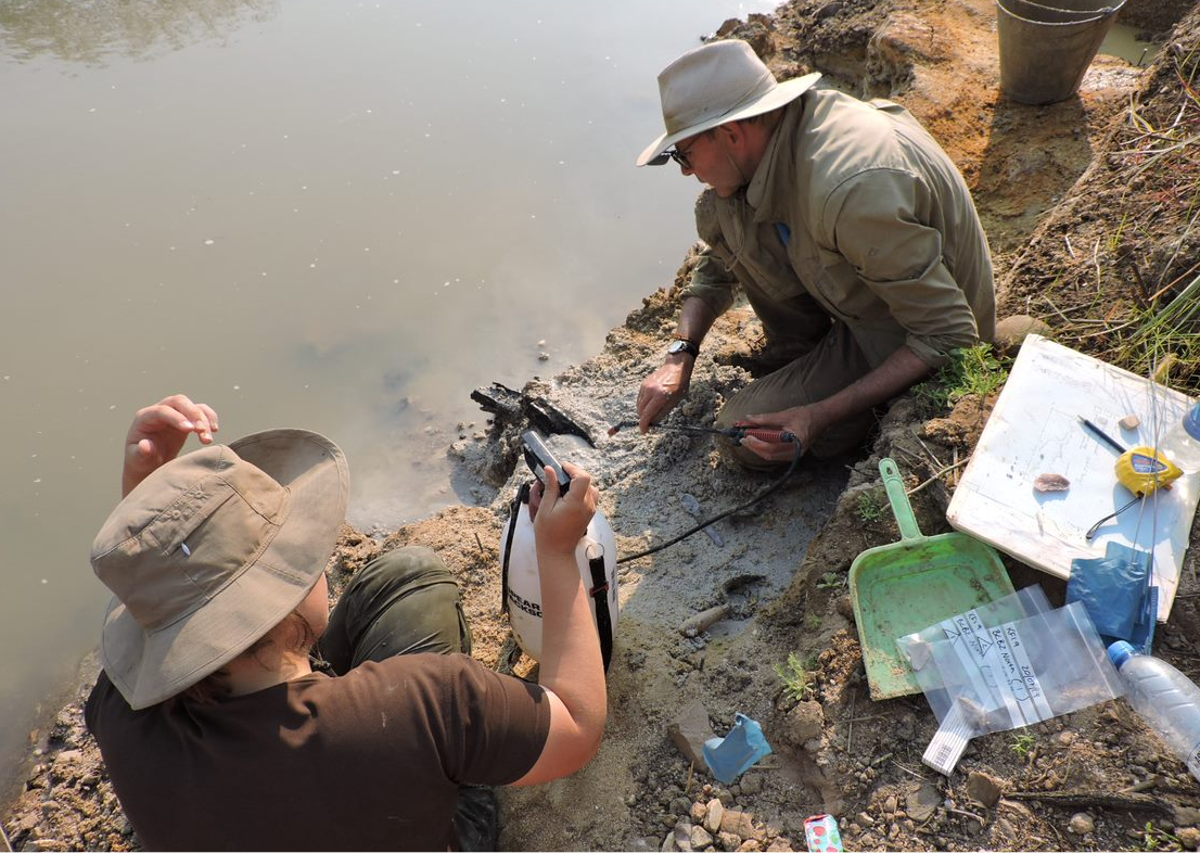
x=663 y=389
x=800 y=421
x=158 y=433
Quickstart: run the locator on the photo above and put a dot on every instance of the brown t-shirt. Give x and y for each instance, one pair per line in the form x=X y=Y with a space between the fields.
x=368 y=761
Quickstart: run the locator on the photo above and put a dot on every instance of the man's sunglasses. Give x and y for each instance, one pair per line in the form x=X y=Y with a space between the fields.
x=675 y=154
x=680 y=157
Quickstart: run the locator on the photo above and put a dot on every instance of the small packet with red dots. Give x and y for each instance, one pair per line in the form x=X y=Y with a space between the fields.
x=821 y=834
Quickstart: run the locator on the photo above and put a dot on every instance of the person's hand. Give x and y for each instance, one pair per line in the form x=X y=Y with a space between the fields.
x=560 y=522
x=662 y=390
x=799 y=421
x=158 y=433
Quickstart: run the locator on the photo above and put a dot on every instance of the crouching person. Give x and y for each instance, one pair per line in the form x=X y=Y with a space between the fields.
x=217 y=732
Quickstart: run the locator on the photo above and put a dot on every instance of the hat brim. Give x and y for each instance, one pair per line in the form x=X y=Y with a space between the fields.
x=783 y=93
x=172 y=658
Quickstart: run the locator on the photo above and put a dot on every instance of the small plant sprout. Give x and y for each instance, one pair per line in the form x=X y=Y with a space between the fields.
x=1022 y=744
x=1154 y=838
x=831 y=580
x=870 y=506
x=797 y=679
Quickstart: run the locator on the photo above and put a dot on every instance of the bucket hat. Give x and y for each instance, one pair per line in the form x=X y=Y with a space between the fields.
x=210 y=552
x=718 y=82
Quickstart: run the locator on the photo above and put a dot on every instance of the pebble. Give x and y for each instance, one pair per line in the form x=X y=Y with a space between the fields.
x=716 y=812
x=728 y=841
x=738 y=822
x=983 y=789
x=682 y=835
x=698 y=812
x=700 y=838
x=921 y=804
x=1081 y=824
x=753 y=784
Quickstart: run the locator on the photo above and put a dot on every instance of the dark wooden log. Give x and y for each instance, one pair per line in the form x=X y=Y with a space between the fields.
x=521 y=410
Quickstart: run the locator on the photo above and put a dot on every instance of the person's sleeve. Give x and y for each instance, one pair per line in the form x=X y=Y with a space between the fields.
x=498 y=724
x=879 y=221
x=712 y=279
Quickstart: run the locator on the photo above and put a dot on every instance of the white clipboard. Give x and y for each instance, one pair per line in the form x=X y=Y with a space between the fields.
x=1035 y=429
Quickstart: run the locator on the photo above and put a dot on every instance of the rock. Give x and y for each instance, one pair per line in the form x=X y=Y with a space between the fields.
x=1081 y=824
x=829 y=10
x=668 y=845
x=716 y=811
x=780 y=845
x=1189 y=837
x=804 y=722
x=752 y=783
x=864 y=819
x=922 y=803
x=728 y=841
x=1051 y=482
x=700 y=838
x=738 y=822
x=681 y=806
x=983 y=789
x=689 y=730
x=1011 y=332
x=682 y=835
x=750 y=845
x=698 y=812
x=890 y=805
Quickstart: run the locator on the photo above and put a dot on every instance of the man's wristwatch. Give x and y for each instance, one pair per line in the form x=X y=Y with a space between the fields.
x=684 y=345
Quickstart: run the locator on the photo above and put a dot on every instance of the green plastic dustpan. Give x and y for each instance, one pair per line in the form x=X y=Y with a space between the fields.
x=907 y=586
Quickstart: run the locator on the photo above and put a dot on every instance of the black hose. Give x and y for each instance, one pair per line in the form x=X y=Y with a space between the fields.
x=768 y=490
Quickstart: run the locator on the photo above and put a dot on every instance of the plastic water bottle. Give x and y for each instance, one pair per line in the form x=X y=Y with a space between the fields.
x=1164 y=697
x=1181 y=444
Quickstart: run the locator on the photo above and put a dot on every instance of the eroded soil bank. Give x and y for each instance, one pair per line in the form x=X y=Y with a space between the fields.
x=1053 y=185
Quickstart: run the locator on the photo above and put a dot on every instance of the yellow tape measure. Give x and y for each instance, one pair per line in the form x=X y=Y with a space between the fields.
x=1142 y=470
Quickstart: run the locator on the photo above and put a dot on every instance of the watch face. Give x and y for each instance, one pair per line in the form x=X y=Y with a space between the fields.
x=677 y=346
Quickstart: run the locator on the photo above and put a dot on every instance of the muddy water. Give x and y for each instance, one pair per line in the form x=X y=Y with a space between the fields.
x=1122 y=40
x=341 y=216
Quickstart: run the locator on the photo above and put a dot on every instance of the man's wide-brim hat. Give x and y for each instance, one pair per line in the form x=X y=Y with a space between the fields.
x=718 y=82
x=210 y=552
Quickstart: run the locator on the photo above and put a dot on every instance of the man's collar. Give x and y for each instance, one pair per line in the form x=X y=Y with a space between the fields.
x=764 y=193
